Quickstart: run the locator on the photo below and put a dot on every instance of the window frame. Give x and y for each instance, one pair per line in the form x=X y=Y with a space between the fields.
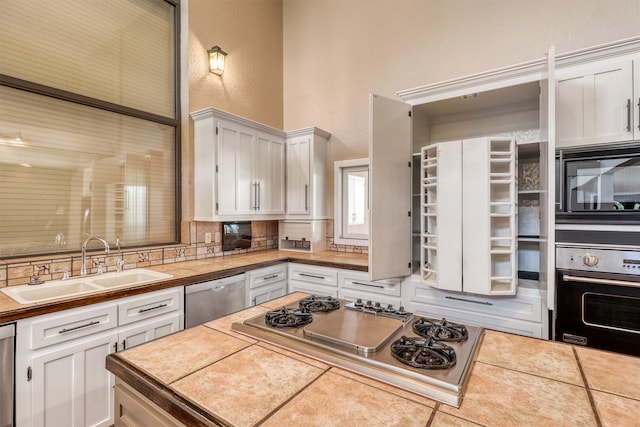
x=175 y=121
x=339 y=202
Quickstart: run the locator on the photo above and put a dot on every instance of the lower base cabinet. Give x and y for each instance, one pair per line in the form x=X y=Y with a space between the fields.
x=266 y=283
x=320 y=281
x=61 y=378
x=132 y=409
x=522 y=314
x=71 y=387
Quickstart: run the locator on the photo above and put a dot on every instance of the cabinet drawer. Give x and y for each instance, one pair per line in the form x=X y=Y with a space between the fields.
x=266 y=276
x=359 y=281
x=526 y=305
x=313 y=288
x=143 y=307
x=312 y=274
x=70 y=324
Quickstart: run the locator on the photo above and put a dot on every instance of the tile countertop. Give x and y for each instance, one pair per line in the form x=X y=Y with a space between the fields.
x=211 y=375
x=184 y=273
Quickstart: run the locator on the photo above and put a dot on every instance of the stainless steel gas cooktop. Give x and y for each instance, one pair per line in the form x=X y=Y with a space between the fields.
x=431 y=357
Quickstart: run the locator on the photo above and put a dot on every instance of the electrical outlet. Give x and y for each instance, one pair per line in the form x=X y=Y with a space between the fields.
x=218 y=238
x=207 y=237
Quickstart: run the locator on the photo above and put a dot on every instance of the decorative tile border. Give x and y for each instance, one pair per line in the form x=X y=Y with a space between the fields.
x=18 y=272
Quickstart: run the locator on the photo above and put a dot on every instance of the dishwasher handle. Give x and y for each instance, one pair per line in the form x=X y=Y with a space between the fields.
x=214 y=285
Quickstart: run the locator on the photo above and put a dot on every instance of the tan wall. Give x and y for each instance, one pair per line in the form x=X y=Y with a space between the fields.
x=337 y=51
x=250 y=31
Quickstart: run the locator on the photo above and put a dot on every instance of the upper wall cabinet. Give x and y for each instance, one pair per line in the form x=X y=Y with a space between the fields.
x=238 y=167
x=306 y=153
x=598 y=103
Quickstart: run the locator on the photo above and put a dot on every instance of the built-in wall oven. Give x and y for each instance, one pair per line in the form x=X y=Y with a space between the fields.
x=598 y=247
x=598 y=297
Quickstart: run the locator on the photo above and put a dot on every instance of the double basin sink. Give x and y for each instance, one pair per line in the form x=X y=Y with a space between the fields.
x=29 y=294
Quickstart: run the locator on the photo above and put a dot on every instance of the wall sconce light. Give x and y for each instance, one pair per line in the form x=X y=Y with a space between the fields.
x=216 y=60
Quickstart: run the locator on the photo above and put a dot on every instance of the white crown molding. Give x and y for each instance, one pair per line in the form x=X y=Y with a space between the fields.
x=516 y=74
x=211 y=112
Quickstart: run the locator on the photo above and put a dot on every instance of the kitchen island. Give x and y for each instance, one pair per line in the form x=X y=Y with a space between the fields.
x=212 y=375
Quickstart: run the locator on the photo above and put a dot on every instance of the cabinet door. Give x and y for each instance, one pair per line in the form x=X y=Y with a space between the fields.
x=235 y=156
x=594 y=105
x=143 y=332
x=389 y=188
x=298 y=171
x=268 y=175
x=267 y=293
x=71 y=387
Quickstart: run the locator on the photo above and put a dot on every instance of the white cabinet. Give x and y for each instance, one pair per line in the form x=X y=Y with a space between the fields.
x=266 y=283
x=306 y=154
x=70 y=386
x=595 y=103
x=313 y=279
x=468 y=209
x=520 y=314
x=355 y=285
x=239 y=167
x=389 y=188
x=60 y=357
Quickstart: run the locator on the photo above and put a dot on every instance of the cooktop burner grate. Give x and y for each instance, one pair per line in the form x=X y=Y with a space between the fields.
x=287 y=318
x=440 y=330
x=316 y=304
x=423 y=353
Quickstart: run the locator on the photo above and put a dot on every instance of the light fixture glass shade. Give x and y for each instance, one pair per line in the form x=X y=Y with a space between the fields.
x=216 y=60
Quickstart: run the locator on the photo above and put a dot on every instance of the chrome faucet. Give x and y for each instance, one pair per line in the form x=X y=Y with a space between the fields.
x=83 y=269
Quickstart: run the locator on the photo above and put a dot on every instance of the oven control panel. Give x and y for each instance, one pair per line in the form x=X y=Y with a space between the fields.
x=596 y=259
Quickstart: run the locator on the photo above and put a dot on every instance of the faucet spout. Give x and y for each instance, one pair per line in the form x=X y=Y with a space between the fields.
x=83 y=268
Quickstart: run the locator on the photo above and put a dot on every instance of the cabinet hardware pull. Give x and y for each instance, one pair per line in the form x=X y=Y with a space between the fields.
x=312 y=275
x=371 y=285
x=144 y=310
x=306 y=197
x=628 y=114
x=273 y=276
x=86 y=325
x=638 y=113
x=258 y=195
x=469 y=300
x=115 y=347
x=29 y=373
x=124 y=345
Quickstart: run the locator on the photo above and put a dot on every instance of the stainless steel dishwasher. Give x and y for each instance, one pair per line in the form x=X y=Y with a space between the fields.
x=207 y=301
x=7 y=344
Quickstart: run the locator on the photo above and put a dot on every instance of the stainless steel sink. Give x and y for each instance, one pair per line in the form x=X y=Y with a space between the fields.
x=28 y=294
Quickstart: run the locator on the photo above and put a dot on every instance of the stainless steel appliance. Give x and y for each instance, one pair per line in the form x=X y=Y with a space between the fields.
x=598 y=296
x=7 y=346
x=210 y=300
x=598 y=184
x=431 y=357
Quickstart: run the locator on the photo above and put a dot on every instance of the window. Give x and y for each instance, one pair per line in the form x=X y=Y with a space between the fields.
x=351 y=222
x=89 y=124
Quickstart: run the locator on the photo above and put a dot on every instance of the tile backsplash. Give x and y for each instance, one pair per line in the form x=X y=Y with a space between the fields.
x=19 y=271
x=265 y=236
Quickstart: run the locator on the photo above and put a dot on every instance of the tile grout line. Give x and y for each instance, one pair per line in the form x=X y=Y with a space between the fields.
x=587 y=388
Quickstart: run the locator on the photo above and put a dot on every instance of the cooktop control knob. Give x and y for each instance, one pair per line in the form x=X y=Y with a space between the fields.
x=590 y=260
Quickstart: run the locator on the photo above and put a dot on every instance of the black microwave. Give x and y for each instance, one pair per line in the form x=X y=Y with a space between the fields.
x=598 y=184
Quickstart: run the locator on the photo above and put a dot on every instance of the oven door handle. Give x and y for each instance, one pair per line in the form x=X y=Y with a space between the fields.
x=569 y=278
